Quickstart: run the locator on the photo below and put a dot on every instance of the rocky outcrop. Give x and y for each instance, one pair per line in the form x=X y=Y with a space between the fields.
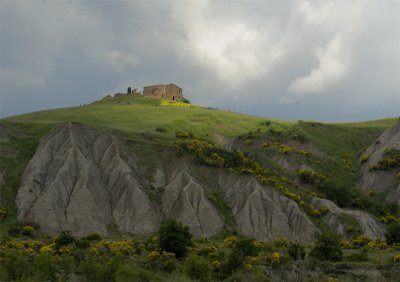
x=263 y=213
x=184 y=199
x=78 y=181
x=377 y=180
x=370 y=227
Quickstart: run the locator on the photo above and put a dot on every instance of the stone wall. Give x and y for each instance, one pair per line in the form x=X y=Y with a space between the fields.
x=164 y=91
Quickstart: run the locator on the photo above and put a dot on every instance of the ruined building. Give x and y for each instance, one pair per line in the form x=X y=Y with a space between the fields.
x=164 y=91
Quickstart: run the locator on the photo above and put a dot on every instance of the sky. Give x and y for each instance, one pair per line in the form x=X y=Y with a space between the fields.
x=330 y=60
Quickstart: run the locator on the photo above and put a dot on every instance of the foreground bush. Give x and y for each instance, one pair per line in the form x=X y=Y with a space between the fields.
x=327 y=247
x=174 y=237
x=393 y=233
x=197 y=267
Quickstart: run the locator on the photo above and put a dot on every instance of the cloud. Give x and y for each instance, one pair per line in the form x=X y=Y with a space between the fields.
x=230 y=45
x=332 y=68
x=272 y=58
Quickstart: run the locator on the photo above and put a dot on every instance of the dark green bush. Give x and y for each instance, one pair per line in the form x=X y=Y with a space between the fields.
x=161 y=129
x=296 y=251
x=393 y=233
x=327 y=247
x=174 y=237
x=234 y=262
x=15 y=231
x=64 y=239
x=240 y=251
x=246 y=247
x=93 y=237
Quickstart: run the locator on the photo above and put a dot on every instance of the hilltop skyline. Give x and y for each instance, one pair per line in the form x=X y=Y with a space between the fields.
x=328 y=61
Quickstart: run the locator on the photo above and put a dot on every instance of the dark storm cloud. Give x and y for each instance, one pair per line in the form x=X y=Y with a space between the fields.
x=328 y=60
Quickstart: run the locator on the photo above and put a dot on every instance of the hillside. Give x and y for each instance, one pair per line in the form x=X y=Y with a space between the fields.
x=118 y=167
x=281 y=147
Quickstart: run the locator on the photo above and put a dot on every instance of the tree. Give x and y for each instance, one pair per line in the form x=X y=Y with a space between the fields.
x=174 y=237
x=327 y=247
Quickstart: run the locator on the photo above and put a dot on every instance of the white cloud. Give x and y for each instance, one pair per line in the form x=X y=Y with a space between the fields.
x=233 y=47
x=332 y=68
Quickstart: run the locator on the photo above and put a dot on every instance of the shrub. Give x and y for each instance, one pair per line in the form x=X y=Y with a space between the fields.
x=390 y=160
x=359 y=256
x=361 y=241
x=15 y=231
x=246 y=247
x=28 y=230
x=15 y=267
x=161 y=129
x=396 y=259
x=45 y=268
x=296 y=251
x=281 y=242
x=327 y=247
x=174 y=237
x=65 y=238
x=393 y=233
x=93 y=237
x=230 y=241
x=309 y=177
x=197 y=267
x=235 y=261
x=97 y=269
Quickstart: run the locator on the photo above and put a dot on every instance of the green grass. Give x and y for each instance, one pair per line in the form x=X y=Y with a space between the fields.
x=16 y=151
x=136 y=114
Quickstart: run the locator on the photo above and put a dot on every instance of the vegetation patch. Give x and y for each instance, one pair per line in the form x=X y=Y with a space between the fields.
x=390 y=160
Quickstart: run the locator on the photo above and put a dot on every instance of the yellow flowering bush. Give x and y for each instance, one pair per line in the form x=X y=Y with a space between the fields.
x=281 y=242
x=169 y=103
x=344 y=244
x=230 y=241
x=361 y=241
x=47 y=250
x=250 y=263
x=66 y=250
x=396 y=246
x=152 y=256
x=164 y=261
x=216 y=264
x=396 y=258
x=275 y=258
x=122 y=247
x=100 y=247
x=364 y=158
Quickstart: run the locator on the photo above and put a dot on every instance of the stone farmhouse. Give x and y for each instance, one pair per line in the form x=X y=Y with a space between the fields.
x=164 y=91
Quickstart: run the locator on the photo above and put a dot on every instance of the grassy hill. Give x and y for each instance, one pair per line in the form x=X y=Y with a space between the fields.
x=137 y=115
x=154 y=125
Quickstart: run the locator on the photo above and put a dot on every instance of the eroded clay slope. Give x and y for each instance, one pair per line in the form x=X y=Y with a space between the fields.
x=381 y=180
x=77 y=181
x=185 y=200
x=370 y=227
x=263 y=213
